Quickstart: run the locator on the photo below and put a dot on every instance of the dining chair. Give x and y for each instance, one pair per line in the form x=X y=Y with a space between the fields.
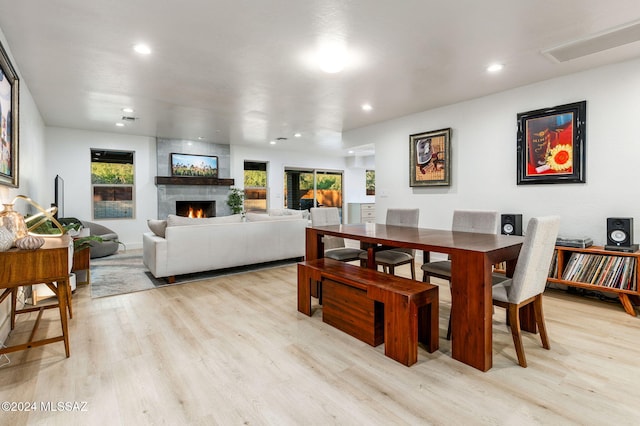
x=529 y=280
x=390 y=258
x=334 y=247
x=480 y=221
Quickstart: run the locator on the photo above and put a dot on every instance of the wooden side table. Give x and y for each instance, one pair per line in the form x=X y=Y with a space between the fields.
x=49 y=264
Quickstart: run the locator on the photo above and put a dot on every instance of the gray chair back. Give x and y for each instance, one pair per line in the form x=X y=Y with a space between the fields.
x=403 y=217
x=483 y=222
x=532 y=269
x=325 y=216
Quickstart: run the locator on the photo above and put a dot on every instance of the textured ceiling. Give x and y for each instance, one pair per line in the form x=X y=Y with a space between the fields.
x=243 y=71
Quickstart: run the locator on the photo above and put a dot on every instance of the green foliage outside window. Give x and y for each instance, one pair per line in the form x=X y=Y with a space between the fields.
x=255 y=179
x=111 y=173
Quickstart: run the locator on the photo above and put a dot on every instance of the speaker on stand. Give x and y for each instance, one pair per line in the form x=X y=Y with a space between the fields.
x=511 y=224
x=620 y=234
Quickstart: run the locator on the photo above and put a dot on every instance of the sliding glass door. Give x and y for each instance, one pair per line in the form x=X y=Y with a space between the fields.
x=306 y=188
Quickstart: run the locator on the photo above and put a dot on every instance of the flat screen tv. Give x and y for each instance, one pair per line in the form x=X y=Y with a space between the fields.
x=59 y=196
x=190 y=165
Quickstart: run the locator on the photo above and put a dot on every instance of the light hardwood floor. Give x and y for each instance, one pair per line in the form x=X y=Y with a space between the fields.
x=234 y=350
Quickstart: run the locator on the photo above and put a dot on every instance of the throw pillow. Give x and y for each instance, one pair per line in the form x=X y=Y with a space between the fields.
x=173 y=220
x=157 y=226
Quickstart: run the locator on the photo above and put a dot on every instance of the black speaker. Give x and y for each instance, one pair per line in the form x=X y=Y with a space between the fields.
x=620 y=234
x=511 y=224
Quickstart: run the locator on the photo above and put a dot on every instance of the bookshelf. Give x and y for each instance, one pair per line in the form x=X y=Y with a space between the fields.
x=598 y=269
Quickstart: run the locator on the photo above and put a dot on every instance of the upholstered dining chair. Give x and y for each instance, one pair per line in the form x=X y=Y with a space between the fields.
x=389 y=259
x=529 y=280
x=480 y=221
x=334 y=247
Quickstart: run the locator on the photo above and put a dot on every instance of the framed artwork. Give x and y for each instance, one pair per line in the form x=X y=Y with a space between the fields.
x=194 y=165
x=551 y=145
x=9 y=95
x=430 y=158
x=370 y=176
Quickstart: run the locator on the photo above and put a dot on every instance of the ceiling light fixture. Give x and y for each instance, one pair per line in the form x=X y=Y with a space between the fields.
x=332 y=58
x=127 y=110
x=142 y=49
x=495 y=67
x=367 y=107
x=297 y=135
x=272 y=142
x=119 y=124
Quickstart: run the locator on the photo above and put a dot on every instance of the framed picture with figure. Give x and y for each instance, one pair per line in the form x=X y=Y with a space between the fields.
x=430 y=158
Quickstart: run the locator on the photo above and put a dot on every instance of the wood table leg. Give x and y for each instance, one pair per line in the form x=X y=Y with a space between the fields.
x=62 y=303
x=471 y=309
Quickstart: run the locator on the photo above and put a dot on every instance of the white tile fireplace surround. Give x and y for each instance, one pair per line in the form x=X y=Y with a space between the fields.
x=169 y=194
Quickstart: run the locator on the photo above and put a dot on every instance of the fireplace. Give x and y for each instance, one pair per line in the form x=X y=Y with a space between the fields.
x=196 y=208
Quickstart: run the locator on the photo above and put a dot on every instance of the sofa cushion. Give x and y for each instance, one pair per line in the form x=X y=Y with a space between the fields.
x=173 y=220
x=157 y=226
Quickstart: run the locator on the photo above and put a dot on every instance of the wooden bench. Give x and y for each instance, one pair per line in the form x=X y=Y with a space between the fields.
x=373 y=307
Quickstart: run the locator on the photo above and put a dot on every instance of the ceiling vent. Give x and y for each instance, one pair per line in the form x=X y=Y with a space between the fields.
x=128 y=119
x=609 y=39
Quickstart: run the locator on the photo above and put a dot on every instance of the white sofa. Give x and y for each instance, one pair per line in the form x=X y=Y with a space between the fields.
x=186 y=246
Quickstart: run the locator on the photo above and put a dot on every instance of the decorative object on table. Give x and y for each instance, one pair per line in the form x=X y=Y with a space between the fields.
x=29 y=242
x=235 y=200
x=6 y=238
x=13 y=221
x=9 y=137
x=43 y=217
x=430 y=159
x=551 y=144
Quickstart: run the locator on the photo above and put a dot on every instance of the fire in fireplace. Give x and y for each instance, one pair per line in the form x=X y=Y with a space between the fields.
x=196 y=208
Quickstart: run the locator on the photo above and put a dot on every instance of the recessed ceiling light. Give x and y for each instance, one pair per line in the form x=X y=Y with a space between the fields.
x=272 y=142
x=495 y=67
x=142 y=48
x=351 y=151
x=119 y=124
x=367 y=107
x=332 y=58
x=128 y=110
x=297 y=135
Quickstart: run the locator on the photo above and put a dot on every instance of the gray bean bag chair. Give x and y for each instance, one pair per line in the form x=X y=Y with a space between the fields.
x=108 y=246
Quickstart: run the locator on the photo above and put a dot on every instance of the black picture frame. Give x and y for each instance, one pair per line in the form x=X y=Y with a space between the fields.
x=191 y=165
x=430 y=158
x=9 y=121
x=551 y=145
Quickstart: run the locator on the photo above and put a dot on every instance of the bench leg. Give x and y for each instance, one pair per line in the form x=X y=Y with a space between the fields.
x=428 y=332
x=304 y=290
x=401 y=330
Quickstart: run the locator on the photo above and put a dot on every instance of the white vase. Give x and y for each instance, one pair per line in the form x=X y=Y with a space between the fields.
x=6 y=238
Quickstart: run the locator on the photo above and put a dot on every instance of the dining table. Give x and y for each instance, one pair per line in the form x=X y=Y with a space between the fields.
x=472 y=256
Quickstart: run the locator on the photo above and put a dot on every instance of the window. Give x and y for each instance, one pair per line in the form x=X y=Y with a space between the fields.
x=312 y=188
x=255 y=186
x=370 y=176
x=112 y=187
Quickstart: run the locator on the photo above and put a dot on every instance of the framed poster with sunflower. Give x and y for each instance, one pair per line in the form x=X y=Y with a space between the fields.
x=551 y=144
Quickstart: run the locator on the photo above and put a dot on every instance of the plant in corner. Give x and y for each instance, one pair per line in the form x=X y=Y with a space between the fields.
x=235 y=200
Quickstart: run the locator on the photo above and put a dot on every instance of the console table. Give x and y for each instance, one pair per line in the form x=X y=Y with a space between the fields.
x=48 y=264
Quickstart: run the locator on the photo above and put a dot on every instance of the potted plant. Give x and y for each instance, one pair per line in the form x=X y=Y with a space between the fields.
x=235 y=200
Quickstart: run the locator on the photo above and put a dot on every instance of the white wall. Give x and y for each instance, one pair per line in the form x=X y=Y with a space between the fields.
x=31 y=164
x=484 y=155
x=278 y=159
x=68 y=154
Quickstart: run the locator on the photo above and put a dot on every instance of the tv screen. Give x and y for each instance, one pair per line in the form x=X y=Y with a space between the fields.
x=59 y=196
x=194 y=165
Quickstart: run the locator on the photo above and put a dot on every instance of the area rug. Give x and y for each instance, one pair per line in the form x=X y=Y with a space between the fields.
x=124 y=272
